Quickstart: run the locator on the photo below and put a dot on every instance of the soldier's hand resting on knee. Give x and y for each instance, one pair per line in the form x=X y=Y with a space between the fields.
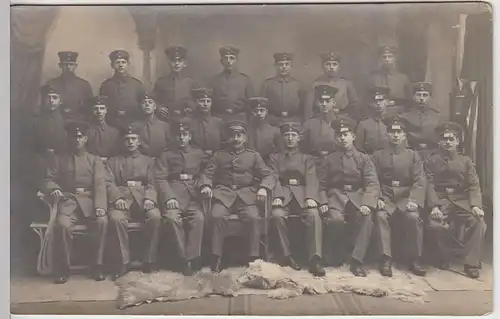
x=261 y=194
x=365 y=210
x=311 y=203
x=148 y=204
x=172 y=204
x=277 y=202
x=121 y=204
x=99 y=212
x=56 y=193
x=411 y=207
x=323 y=209
x=436 y=213
x=380 y=204
x=478 y=211
x=206 y=192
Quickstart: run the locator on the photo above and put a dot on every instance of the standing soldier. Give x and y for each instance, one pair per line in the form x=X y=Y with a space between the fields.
x=103 y=139
x=387 y=75
x=262 y=136
x=132 y=196
x=176 y=173
x=231 y=88
x=371 y=133
x=237 y=179
x=349 y=192
x=78 y=180
x=74 y=90
x=402 y=181
x=122 y=90
x=154 y=133
x=422 y=120
x=173 y=91
x=454 y=194
x=346 y=97
x=285 y=93
x=297 y=193
x=206 y=130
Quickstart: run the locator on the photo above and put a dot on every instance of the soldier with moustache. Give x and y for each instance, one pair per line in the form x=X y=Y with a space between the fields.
x=286 y=94
x=77 y=179
x=297 y=193
x=103 y=139
x=74 y=90
x=122 y=90
x=207 y=131
x=231 y=88
x=454 y=196
x=155 y=135
x=177 y=171
x=132 y=195
x=262 y=136
x=371 y=133
x=402 y=199
x=349 y=190
x=422 y=120
x=173 y=91
x=236 y=179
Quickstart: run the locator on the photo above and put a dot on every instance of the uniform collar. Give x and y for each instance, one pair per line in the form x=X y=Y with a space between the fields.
x=397 y=149
x=350 y=152
x=79 y=153
x=287 y=78
x=184 y=149
x=177 y=75
x=329 y=117
x=237 y=152
x=326 y=77
x=120 y=78
x=134 y=154
x=448 y=155
x=234 y=72
x=291 y=152
x=101 y=125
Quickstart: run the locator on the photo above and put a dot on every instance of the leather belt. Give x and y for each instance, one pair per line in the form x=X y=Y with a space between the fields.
x=104 y=159
x=347 y=187
x=181 y=177
x=292 y=181
x=80 y=190
x=451 y=190
x=320 y=153
x=134 y=183
x=235 y=187
x=394 y=183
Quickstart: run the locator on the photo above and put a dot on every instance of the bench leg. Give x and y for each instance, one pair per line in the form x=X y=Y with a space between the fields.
x=41 y=234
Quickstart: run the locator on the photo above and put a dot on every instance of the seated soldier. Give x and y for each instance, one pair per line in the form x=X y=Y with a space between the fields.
x=237 y=178
x=349 y=190
x=297 y=193
x=262 y=136
x=454 y=194
x=132 y=196
x=176 y=171
x=371 y=133
x=206 y=130
x=102 y=137
x=77 y=179
x=402 y=183
x=154 y=133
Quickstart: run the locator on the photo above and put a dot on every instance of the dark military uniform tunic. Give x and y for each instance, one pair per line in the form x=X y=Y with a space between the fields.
x=401 y=175
x=75 y=93
x=207 y=132
x=174 y=92
x=319 y=137
x=371 y=135
x=103 y=140
x=421 y=125
x=235 y=178
x=287 y=96
x=400 y=90
x=131 y=178
x=264 y=138
x=231 y=90
x=176 y=173
x=155 y=136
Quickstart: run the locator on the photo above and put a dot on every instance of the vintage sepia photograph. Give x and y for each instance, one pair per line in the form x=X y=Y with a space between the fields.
x=245 y=159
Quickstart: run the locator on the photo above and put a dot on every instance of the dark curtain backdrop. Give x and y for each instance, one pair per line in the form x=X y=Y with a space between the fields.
x=478 y=66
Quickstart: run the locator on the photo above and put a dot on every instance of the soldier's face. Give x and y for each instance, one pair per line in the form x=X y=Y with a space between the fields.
x=100 y=112
x=345 y=139
x=132 y=142
x=291 y=139
x=228 y=61
x=379 y=105
x=184 y=138
x=177 y=65
x=260 y=112
x=331 y=67
x=53 y=101
x=120 y=66
x=79 y=141
x=238 y=139
x=388 y=59
x=68 y=67
x=148 y=106
x=204 y=104
x=422 y=97
x=283 y=67
x=396 y=137
x=449 y=142
x=325 y=105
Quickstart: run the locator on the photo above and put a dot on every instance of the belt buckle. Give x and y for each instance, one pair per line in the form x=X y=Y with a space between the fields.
x=132 y=183
x=423 y=145
x=178 y=112
x=395 y=183
x=80 y=190
x=234 y=187
x=347 y=188
x=185 y=177
x=449 y=190
x=323 y=153
x=293 y=181
x=230 y=111
x=104 y=159
x=284 y=113
x=209 y=152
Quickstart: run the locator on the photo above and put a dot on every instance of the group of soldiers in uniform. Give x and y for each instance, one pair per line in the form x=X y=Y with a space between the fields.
x=184 y=157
